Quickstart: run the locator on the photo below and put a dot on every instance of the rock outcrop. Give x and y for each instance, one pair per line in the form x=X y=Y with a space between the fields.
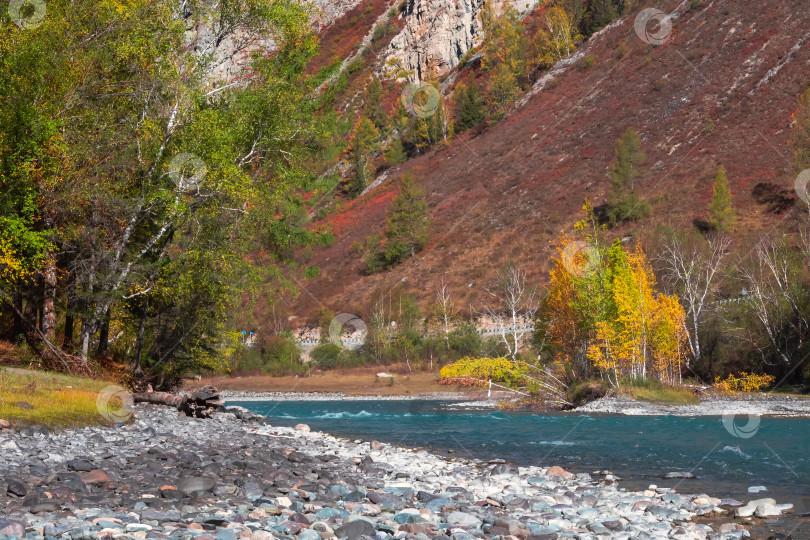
x=228 y=47
x=438 y=33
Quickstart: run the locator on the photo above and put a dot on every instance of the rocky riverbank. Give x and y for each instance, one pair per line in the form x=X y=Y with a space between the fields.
x=165 y=476
x=743 y=404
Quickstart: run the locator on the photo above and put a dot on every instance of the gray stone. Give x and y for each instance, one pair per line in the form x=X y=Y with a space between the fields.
x=80 y=465
x=17 y=488
x=11 y=527
x=679 y=475
x=463 y=519
x=502 y=469
x=194 y=485
x=226 y=534
x=355 y=529
x=157 y=515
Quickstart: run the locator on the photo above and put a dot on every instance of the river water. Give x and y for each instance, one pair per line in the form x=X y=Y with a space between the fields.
x=769 y=452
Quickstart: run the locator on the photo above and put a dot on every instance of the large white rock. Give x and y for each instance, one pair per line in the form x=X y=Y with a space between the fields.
x=438 y=33
x=749 y=509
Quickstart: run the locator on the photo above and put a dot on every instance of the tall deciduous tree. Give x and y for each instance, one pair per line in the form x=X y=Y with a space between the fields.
x=611 y=319
x=515 y=304
x=140 y=174
x=692 y=267
x=557 y=37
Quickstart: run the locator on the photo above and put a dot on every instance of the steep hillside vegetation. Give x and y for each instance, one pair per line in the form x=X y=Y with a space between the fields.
x=721 y=91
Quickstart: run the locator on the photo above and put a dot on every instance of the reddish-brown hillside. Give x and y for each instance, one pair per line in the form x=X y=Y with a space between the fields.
x=722 y=91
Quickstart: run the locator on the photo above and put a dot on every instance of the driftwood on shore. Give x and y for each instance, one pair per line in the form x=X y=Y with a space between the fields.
x=201 y=403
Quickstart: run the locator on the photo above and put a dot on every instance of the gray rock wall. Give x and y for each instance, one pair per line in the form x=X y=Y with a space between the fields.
x=438 y=33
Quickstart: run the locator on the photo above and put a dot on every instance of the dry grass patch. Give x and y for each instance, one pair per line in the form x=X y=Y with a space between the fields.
x=57 y=400
x=662 y=395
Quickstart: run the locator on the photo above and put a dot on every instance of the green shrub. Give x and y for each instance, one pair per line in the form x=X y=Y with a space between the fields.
x=325 y=355
x=250 y=359
x=629 y=208
x=581 y=391
x=280 y=367
x=356 y=65
x=278 y=357
x=330 y=356
x=464 y=341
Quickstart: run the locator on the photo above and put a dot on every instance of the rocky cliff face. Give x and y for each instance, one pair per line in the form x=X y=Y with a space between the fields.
x=438 y=33
x=328 y=11
x=229 y=48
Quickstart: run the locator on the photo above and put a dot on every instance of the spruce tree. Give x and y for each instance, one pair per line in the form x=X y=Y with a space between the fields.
x=373 y=99
x=600 y=13
x=362 y=146
x=469 y=105
x=406 y=225
x=395 y=152
x=624 y=203
x=721 y=212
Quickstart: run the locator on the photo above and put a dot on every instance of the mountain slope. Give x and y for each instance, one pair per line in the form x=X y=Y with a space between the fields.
x=721 y=91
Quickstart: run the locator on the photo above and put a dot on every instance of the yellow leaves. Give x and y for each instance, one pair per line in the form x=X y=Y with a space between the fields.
x=746 y=382
x=557 y=37
x=11 y=266
x=471 y=371
x=648 y=331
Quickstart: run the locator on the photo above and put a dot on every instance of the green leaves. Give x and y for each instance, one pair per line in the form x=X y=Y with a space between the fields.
x=625 y=204
x=407 y=226
x=106 y=110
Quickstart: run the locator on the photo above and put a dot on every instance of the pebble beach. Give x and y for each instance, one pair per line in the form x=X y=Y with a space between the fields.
x=232 y=477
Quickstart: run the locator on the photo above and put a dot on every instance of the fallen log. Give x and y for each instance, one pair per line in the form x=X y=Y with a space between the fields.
x=201 y=403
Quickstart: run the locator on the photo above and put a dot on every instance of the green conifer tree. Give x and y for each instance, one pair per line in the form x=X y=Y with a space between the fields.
x=407 y=223
x=721 y=211
x=395 y=152
x=624 y=203
x=469 y=105
x=361 y=148
x=599 y=14
x=407 y=226
x=373 y=99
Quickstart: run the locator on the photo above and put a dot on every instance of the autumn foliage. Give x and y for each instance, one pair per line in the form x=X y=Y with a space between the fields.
x=611 y=320
x=746 y=382
x=477 y=372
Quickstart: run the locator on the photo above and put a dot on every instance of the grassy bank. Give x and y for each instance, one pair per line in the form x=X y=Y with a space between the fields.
x=653 y=392
x=28 y=398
